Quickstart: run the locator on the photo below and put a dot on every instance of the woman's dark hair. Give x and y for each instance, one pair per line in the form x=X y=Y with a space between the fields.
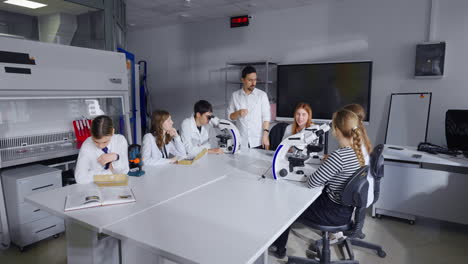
x=202 y=107
x=102 y=126
x=248 y=70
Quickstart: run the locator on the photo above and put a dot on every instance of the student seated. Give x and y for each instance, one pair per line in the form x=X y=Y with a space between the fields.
x=333 y=174
x=162 y=145
x=102 y=153
x=366 y=146
x=195 y=130
x=302 y=119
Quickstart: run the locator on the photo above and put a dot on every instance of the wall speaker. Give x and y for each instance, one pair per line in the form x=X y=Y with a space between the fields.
x=430 y=58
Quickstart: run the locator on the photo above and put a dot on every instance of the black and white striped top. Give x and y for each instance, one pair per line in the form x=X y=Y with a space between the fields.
x=335 y=172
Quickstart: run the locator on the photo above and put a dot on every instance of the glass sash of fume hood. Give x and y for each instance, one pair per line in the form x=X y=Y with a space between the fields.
x=34 y=129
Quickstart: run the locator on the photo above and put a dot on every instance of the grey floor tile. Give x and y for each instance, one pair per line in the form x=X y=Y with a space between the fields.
x=426 y=242
x=49 y=251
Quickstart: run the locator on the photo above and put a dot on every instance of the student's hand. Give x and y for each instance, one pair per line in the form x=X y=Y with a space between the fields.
x=265 y=142
x=106 y=158
x=173 y=160
x=172 y=132
x=243 y=112
x=216 y=151
x=325 y=157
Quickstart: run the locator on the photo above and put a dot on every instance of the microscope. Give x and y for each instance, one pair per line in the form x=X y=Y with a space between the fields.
x=290 y=165
x=229 y=138
x=135 y=160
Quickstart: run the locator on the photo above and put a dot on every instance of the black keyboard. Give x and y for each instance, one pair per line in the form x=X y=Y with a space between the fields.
x=434 y=149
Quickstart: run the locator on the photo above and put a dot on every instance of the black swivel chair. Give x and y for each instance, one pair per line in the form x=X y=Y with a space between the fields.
x=276 y=135
x=354 y=194
x=377 y=171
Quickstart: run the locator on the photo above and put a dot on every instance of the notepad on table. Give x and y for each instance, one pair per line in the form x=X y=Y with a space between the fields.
x=188 y=161
x=111 y=180
x=94 y=197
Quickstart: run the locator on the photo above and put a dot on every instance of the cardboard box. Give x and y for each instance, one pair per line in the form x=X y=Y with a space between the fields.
x=111 y=180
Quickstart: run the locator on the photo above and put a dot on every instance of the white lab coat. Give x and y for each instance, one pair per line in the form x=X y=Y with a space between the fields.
x=288 y=130
x=194 y=140
x=152 y=155
x=87 y=165
x=251 y=126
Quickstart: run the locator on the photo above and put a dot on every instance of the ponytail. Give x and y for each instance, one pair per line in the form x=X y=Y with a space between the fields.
x=357 y=143
x=361 y=113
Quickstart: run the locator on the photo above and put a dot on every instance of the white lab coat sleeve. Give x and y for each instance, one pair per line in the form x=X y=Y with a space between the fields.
x=178 y=147
x=87 y=165
x=287 y=132
x=231 y=107
x=186 y=134
x=121 y=166
x=83 y=169
x=206 y=144
x=150 y=153
x=266 y=112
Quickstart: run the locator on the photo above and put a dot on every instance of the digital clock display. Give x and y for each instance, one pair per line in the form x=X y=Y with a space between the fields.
x=239 y=21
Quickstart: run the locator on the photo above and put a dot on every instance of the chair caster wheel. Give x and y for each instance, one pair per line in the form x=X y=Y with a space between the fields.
x=379 y=216
x=56 y=236
x=411 y=222
x=381 y=253
x=21 y=249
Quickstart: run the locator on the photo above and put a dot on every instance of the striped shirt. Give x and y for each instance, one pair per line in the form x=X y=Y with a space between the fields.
x=335 y=172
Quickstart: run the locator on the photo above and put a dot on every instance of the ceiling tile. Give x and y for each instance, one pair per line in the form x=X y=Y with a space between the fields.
x=183 y=11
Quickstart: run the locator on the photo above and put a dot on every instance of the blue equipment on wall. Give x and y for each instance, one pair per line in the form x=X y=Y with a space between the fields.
x=145 y=107
x=131 y=58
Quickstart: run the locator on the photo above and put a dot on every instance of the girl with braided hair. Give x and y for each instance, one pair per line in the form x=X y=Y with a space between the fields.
x=333 y=174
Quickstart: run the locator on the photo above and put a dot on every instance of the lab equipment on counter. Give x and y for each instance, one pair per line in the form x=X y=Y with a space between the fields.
x=291 y=165
x=229 y=137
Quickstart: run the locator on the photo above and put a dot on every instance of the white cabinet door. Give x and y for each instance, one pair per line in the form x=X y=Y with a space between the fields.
x=4 y=235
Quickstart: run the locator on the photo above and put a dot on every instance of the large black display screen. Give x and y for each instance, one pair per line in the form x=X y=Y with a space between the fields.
x=325 y=86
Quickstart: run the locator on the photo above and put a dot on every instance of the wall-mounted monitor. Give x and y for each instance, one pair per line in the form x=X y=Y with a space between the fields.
x=325 y=86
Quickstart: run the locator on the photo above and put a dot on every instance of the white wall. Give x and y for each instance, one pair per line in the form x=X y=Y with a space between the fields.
x=186 y=61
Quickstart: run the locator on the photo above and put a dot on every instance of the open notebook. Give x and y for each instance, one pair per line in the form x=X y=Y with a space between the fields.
x=188 y=161
x=95 y=196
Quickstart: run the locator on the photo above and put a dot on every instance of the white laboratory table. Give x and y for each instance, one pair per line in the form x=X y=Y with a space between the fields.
x=218 y=205
x=232 y=220
x=417 y=183
x=85 y=242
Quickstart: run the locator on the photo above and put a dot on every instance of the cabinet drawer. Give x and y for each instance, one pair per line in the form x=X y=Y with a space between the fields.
x=29 y=233
x=29 y=213
x=38 y=183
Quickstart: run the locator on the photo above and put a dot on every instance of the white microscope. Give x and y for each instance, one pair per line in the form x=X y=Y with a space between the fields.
x=291 y=165
x=229 y=138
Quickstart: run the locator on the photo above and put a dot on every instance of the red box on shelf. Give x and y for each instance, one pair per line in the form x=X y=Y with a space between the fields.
x=82 y=128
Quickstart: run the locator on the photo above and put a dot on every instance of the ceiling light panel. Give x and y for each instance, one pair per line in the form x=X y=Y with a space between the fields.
x=25 y=3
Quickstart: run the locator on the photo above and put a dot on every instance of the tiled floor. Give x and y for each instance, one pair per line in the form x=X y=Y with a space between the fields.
x=428 y=242
x=49 y=251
